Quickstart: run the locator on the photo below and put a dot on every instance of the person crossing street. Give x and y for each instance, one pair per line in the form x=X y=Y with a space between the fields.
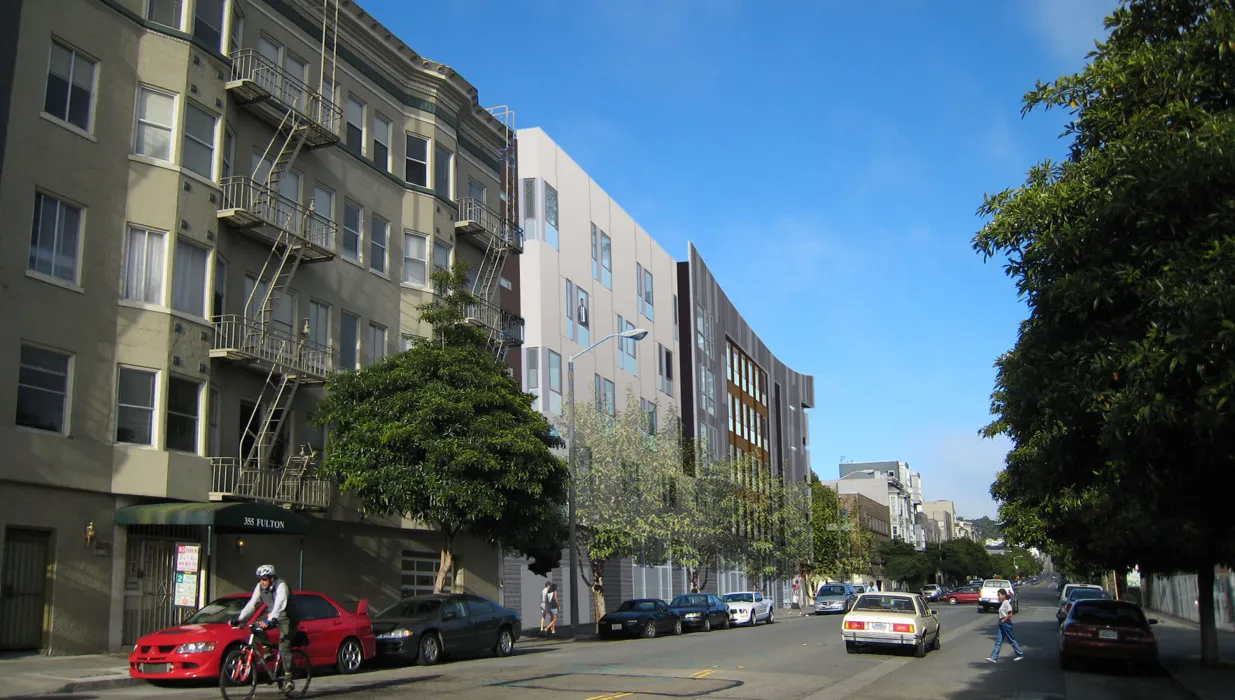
x=1004 y=630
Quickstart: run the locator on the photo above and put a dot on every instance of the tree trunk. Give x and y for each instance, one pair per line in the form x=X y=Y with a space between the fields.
x=446 y=561
x=1205 y=604
x=692 y=574
x=598 y=592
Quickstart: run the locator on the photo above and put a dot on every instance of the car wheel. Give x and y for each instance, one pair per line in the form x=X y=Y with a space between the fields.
x=771 y=615
x=350 y=656
x=430 y=649
x=851 y=647
x=937 y=642
x=725 y=625
x=707 y=624
x=919 y=649
x=649 y=630
x=951 y=601
x=677 y=627
x=505 y=643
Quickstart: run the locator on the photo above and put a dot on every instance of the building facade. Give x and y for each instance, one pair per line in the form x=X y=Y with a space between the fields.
x=893 y=482
x=245 y=214
x=944 y=513
x=871 y=516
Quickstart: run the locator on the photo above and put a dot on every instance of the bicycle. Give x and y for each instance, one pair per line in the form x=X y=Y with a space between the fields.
x=241 y=667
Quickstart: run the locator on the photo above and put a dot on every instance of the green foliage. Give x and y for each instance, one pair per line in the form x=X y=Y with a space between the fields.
x=841 y=547
x=959 y=560
x=443 y=435
x=986 y=529
x=698 y=531
x=901 y=562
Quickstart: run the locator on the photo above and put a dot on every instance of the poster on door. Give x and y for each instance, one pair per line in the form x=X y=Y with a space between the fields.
x=185 y=593
x=188 y=557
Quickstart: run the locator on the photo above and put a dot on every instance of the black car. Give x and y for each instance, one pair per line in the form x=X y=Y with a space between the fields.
x=644 y=617
x=425 y=628
x=701 y=611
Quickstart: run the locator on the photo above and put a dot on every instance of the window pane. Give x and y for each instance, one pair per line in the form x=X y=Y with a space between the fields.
x=53 y=238
x=208 y=23
x=417 y=162
x=189 y=279
x=154 y=124
x=415 y=252
x=42 y=389
x=164 y=12
x=442 y=181
x=441 y=255
x=143 y=266
x=378 y=233
x=349 y=335
x=182 y=414
x=199 y=128
x=351 y=231
x=135 y=406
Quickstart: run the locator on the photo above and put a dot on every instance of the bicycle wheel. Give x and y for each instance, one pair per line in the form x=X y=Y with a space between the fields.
x=237 y=676
x=302 y=674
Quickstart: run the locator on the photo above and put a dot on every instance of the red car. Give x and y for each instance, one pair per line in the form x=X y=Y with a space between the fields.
x=966 y=594
x=1108 y=630
x=195 y=649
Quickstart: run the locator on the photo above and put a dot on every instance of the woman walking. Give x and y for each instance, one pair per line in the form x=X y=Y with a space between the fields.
x=551 y=628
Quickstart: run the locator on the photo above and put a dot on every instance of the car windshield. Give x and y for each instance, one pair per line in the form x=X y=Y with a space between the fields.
x=687 y=600
x=739 y=598
x=410 y=607
x=885 y=603
x=831 y=590
x=1082 y=593
x=1109 y=613
x=637 y=606
x=220 y=610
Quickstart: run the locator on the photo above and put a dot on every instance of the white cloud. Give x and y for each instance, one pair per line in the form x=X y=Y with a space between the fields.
x=1070 y=27
x=961 y=467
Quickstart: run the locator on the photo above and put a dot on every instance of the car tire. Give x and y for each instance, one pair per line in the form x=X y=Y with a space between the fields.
x=951 y=601
x=707 y=624
x=937 y=641
x=649 y=631
x=919 y=649
x=505 y=645
x=677 y=627
x=430 y=649
x=350 y=656
x=771 y=615
x=851 y=647
x=725 y=625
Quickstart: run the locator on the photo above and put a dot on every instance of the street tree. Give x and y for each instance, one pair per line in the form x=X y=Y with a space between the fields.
x=902 y=562
x=1118 y=388
x=841 y=546
x=442 y=434
x=699 y=530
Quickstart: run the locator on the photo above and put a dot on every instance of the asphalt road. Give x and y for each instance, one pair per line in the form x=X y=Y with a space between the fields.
x=794 y=658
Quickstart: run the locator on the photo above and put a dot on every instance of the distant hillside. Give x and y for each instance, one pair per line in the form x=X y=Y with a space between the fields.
x=986 y=529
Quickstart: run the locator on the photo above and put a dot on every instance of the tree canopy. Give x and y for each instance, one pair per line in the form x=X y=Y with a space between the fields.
x=1119 y=386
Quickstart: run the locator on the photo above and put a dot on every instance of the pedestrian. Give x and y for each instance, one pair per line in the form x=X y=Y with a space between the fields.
x=1004 y=630
x=544 y=606
x=552 y=602
x=797 y=596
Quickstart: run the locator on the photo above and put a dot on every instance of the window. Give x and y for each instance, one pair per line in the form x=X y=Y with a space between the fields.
x=505 y=283
x=229 y=151
x=606 y=395
x=415 y=258
x=54 y=238
x=183 y=407
x=416 y=164
x=528 y=202
x=375 y=343
x=442 y=171
x=219 y=303
x=532 y=382
x=349 y=341
x=379 y=235
x=602 y=262
x=551 y=212
x=135 y=406
x=70 y=87
x=198 y=145
x=355 y=125
x=555 y=382
x=43 y=389
x=626 y=347
x=215 y=436
x=236 y=31
x=323 y=211
x=570 y=310
x=313 y=607
x=583 y=317
x=648 y=411
x=381 y=141
x=143 y=266
x=419 y=571
x=155 y=114
x=707 y=390
x=297 y=79
x=649 y=309
x=189 y=279
x=351 y=231
x=664 y=369
x=703 y=330
x=441 y=255
x=476 y=191
x=208 y=23
x=165 y=12
x=319 y=323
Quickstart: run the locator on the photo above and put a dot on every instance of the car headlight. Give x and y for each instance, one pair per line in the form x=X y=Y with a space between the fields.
x=195 y=648
x=692 y=615
x=400 y=633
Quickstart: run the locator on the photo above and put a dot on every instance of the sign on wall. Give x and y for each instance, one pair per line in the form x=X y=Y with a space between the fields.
x=188 y=561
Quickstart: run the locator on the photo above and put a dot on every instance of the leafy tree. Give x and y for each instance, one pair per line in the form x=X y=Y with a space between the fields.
x=901 y=562
x=443 y=435
x=959 y=560
x=842 y=547
x=1119 y=386
x=986 y=529
x=699 y=530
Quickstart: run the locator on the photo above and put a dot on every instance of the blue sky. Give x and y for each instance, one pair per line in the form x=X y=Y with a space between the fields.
x=827 y=158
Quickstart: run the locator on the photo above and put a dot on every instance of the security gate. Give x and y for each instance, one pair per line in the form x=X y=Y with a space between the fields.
x=23 y=588
x=149 y=580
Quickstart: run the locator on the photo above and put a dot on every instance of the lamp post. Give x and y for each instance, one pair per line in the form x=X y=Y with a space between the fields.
x=636 y=335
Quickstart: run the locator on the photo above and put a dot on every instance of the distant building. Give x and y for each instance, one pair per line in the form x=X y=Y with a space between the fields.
x=893 y=483
x=945 y=514
x=871 y=516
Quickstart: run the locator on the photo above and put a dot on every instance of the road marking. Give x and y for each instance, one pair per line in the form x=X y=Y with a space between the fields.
x=702 y=674
x=609 y=696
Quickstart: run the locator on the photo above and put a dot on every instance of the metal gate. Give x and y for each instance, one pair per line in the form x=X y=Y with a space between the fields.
x=149 y=580
x=23 y=588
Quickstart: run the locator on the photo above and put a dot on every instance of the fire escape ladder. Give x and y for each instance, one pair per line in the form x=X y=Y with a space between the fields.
x=269 y=414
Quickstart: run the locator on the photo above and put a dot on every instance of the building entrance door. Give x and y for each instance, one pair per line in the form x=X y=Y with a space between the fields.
x=149 y=585
x=23 y=588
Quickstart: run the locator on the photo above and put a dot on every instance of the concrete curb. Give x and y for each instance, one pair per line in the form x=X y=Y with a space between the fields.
x=82 y=686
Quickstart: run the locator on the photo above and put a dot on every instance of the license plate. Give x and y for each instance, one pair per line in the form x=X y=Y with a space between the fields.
x=156 y=668
x=879 y=627
x=1108 y=634
x=615 y=627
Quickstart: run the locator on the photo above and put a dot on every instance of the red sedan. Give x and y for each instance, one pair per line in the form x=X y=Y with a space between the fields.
x=195 y=649
x=1107 y=630
x=965 y=594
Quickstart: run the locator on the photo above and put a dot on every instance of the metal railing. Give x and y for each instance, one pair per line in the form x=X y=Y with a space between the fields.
x=269 y=343
x=248 y=195
x=472 y=209
x=508 y=325
x=230 y=477
x=291 y=92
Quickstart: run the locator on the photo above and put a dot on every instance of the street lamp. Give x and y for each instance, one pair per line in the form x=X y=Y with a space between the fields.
x=636 y=335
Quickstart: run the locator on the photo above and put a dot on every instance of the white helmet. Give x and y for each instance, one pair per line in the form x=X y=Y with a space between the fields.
x=265 y=570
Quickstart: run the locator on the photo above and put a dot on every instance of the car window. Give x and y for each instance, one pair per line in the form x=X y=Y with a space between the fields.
x=220 y=610
x=758 y=598
x=312 y=607
x=1104 y=613
x=921 y=605
x=456 y=606
x=831 y=590
x=478 y=607
x=695 y=599
x=885 y=603
x=1083 y=593
x=739 y=598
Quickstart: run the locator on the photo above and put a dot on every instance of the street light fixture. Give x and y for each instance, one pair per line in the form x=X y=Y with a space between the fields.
x=635 y=334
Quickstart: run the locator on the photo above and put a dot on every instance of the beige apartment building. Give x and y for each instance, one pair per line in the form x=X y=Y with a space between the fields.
x=214 y=206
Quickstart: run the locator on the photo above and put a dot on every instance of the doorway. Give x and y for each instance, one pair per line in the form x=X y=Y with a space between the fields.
x=150 y=575
x=23 y=589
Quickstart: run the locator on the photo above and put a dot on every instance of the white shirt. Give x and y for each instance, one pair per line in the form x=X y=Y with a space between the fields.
x=1005 y=609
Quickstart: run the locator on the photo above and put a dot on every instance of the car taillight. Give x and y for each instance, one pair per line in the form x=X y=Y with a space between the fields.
x=903 y=628
x=855 y=625
x=1137 y=635
x=1078 y=630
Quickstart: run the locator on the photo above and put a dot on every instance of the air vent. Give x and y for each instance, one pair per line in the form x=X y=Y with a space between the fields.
x=179 y=328
x=193 y=88
x=188 y=186
x=176 y=361
x=217 y=102
x=184 y=224
x=205 y=335
x=201 y=367
x=210 y=235
x=214 y=198
x=218 y=74
x=197 y=60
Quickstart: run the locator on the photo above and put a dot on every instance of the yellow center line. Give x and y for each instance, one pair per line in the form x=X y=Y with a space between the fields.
x=702 y=674
x=609 y=696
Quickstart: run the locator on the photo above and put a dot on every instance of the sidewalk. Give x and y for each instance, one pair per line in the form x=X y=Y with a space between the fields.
x=26 y=675
x=1179 y=648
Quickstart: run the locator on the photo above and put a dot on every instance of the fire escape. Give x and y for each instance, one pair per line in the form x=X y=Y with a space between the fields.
x=495 y=232
x=303 y=119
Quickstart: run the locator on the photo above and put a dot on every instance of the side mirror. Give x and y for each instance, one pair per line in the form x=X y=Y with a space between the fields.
x=933 y=612
x=449 y=615
x=362 y=608
x=1153 y=620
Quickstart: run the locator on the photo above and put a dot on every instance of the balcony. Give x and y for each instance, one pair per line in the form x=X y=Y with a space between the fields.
x=266 y=215
x=231 y=480
x=263 y=345
x=478 y=220
x=508 y=326
x=270 y=93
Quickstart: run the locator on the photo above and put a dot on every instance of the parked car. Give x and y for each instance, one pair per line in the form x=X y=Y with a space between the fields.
x=1076 y=594
x=858 y=589
x=931 y=591
x=834 y=598
x=988 y=595
x=425 y=628
x=748 y=608
x=964 y=594
x=891 y=619
x=1108 y=630
x=195 y=648
x=701 y=611
x=1069 y=587
x=645 y=617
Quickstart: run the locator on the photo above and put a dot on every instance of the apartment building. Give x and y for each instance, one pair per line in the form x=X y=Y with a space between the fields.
x=224 y=206
x=894 y=483
x=944 y=513
x=871 y=516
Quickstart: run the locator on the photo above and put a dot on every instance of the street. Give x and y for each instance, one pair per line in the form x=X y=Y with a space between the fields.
x=792 y=658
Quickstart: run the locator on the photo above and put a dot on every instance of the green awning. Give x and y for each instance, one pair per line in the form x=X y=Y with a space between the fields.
x=239 y=516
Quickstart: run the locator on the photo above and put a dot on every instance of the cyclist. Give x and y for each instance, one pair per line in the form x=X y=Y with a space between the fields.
x=275 y=594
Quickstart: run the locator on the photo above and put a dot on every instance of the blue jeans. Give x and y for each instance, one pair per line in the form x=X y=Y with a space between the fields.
x=1005 y=631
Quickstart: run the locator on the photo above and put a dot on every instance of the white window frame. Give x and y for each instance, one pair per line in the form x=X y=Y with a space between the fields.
x=143 y=294
x=317 y=322
x=66 y=410
x=94 y=88
x=212 y=147
x=170 y=127
x=379 y=253
x=382 y=130
x=235 y=30
x=60 y=202
x=344 y=318
x=154 y=403
x=407 y=158
x=227 y=164
x=410 y=262
x=320 y=189
x=377 y=337
x=206 y=298
x=364 y=126
x=449 y=191
x=179 y=6
x=197 y=419
x=347 y=254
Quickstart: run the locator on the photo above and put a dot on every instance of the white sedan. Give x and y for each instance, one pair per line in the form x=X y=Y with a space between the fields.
x=892 y=619
x=748 y=608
